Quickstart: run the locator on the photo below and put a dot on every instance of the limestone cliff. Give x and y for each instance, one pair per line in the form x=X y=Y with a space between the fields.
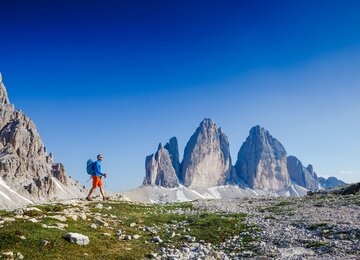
x=27 y=172
x=207 y=161
x=262 y=161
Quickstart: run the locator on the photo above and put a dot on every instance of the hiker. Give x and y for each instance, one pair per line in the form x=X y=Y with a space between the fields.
x=96 y=178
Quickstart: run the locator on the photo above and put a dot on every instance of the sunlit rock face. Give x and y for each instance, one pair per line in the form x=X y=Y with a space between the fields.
x=25 y=167
x=301 y=175
x=207 y=161
x=262 y=161
x=159 y=169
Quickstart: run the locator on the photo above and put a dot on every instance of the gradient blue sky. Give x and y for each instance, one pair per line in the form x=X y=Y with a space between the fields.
x=118 y=77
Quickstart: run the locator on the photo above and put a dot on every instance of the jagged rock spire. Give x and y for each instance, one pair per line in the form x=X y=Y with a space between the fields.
x=4 y=99
x=207 y=161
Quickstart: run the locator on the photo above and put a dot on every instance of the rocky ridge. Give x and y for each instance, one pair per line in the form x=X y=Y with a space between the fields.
x=27 y=172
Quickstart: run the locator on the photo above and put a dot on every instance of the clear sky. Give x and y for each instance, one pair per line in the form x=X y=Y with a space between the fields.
x=118 y=77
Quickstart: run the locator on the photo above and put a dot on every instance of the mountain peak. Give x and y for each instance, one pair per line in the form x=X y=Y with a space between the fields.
x=262 y=161
x=207 y=123
x=4 y=99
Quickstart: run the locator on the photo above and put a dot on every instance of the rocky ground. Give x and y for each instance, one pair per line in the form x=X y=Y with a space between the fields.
x=314 y=227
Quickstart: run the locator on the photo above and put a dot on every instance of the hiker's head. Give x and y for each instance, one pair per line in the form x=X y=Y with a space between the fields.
x=100 y=157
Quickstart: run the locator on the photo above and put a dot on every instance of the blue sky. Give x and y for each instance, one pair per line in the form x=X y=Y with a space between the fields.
x=118 y=77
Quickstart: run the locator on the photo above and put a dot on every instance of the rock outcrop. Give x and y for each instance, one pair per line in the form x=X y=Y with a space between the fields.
x=27 y=173
x=159 y=169
x=207 y=161
x=262 y=161
x=301 y=175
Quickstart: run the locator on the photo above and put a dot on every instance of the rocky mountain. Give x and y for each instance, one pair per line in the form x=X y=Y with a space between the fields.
x=262 y=165
x=27 y=172
x=301 y=175
x=330 y=182
x=207 y=160
x=262 y=161
x=160 y=170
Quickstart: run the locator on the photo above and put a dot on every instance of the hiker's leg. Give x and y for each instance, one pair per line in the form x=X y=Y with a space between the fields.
x=90 y=193
x=102 y=192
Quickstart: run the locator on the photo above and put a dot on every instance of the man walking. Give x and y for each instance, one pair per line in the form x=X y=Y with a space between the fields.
x=96 y=179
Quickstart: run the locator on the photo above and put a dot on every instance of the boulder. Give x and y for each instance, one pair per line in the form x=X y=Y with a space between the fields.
x=77 y=238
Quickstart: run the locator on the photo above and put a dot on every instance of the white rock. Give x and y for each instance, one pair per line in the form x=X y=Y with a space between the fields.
x=77 y=238
x=59 y=217
x=93 y=226
x=99 y=206
x=8 y=254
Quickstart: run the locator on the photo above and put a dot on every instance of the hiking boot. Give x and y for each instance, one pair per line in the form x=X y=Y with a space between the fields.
x=106 y=198
x=88 y=199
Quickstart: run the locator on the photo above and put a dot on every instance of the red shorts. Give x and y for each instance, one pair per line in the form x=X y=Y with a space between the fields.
x=96 y=182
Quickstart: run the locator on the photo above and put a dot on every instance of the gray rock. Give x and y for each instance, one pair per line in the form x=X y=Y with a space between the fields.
x=45 y=242
x=157 y=240
x=173 y=148
x=159 y=169
x=93 y=226
x=19 y=256
x=77 y=238
x=305 y=177
x=207 y=161
x=262 y=161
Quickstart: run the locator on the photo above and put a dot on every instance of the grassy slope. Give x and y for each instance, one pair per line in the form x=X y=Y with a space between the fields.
x=210 y=227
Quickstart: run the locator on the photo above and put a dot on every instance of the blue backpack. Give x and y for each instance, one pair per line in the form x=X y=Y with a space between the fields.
x=90 y=167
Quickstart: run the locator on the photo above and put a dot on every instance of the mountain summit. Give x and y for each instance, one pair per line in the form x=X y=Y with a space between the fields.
x=207 y=161
x=262 y=161
x=27 y=171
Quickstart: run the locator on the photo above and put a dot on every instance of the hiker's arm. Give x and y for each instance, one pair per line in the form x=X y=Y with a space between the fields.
x=98 y=169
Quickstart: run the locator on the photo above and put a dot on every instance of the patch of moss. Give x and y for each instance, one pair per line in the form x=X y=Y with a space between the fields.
x=318 y=226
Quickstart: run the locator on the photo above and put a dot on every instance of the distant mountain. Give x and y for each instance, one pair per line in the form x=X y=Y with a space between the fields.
x=301 y=175
x=330 y=182
x=262 y=164
x=27 y=171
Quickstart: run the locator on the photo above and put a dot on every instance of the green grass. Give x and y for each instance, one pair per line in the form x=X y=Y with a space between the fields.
x=318 y=226
x=313 y=244
x=209 y=227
